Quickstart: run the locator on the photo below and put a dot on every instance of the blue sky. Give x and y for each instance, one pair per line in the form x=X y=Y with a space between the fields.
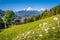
x=21 y=4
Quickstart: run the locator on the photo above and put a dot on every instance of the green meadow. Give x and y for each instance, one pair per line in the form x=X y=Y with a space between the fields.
x=44 y=29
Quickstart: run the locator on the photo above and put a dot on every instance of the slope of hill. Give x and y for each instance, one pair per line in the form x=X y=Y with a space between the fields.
x=44 y=29
x=55 y=10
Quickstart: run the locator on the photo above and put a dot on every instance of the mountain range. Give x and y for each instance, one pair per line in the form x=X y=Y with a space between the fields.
x=27 y=13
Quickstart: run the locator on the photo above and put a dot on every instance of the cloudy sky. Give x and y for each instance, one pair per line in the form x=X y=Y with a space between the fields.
x=30 y=4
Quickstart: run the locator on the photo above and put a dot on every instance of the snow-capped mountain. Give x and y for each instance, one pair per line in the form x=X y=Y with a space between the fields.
x=27 y=13
x=28 y=9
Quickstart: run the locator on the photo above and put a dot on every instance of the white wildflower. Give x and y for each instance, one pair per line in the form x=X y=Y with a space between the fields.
x=46 y=30
x=23 y=34
x=29 y=32
x=32 y=32
x=17 y=37
x=55 y=18
x=44 y=23
x=40 y=25
x=40 y=35
x=53 y=27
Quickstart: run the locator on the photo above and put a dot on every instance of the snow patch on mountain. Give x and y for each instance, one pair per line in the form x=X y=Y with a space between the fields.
x=28 y=9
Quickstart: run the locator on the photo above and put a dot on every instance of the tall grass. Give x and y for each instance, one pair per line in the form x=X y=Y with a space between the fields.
x=44 y=29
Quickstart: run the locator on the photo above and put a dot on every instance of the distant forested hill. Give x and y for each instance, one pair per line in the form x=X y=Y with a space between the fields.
x=2 y=12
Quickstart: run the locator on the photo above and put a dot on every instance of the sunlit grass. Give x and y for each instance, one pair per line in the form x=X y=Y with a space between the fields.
x=44 y=29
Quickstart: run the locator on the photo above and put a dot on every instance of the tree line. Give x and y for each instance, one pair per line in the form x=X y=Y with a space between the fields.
x=10 y=16
x=47 y=13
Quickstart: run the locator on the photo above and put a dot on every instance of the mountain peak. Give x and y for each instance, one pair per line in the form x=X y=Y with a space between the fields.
x=42 y=9
x=28 y=9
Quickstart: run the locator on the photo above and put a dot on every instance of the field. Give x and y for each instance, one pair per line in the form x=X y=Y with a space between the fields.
x=44 y=29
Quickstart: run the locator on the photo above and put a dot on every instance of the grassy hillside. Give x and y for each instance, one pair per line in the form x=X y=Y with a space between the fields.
x=44 y=29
